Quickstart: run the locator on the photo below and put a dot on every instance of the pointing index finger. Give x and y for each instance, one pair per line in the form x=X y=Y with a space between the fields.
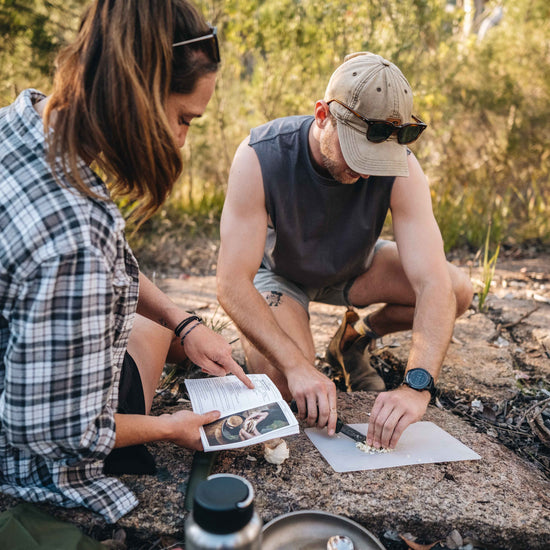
x=237 y=370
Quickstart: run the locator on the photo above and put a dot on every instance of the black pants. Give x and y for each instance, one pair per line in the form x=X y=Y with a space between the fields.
x=135 y=459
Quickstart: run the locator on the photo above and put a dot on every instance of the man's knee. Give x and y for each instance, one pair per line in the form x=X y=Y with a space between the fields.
x=464 y=293
x=258 y=364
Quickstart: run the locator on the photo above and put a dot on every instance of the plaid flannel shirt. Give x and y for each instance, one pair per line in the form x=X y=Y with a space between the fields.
x=68 y=296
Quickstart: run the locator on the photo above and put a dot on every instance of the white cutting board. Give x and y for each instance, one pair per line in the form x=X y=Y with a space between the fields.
x=421 y=443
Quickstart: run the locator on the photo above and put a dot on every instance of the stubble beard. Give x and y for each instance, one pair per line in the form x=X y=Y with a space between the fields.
x=341 y=174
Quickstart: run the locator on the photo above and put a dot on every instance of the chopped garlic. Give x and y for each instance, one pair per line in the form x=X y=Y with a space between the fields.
x=369 y=449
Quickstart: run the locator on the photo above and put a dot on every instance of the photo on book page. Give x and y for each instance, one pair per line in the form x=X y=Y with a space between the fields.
x=246 y=427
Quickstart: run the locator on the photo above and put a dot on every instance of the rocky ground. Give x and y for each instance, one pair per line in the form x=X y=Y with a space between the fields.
x=494 y=396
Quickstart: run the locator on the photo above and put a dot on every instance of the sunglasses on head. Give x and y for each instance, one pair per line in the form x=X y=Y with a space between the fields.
x=213 y=44
x=381 y=130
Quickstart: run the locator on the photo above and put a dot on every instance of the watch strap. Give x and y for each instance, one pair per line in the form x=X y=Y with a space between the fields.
x=429 y=387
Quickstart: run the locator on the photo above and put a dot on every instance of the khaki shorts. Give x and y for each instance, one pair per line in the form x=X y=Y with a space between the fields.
x=336 y=295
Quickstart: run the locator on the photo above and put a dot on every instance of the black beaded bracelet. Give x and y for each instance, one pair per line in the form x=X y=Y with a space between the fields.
x=188 y=331
x=185 y=322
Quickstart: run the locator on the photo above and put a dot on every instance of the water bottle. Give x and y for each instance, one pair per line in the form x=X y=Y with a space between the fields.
x=223 y=516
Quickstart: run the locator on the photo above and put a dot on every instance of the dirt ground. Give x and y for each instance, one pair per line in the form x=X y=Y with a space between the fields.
x=518 y=305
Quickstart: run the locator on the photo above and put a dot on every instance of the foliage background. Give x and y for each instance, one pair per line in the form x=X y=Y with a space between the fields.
x=480 y=71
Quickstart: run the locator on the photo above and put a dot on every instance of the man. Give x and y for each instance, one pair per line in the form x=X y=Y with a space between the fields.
x=306 y=201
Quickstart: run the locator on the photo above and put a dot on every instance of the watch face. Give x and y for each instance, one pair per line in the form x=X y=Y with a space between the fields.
x=418 y=379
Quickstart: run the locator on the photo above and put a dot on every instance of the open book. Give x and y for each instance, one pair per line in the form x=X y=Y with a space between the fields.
x=247 y=416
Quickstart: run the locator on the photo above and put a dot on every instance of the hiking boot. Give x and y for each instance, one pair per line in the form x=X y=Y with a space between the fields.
x=345 y=335
x=348 y=352
x=362 y=375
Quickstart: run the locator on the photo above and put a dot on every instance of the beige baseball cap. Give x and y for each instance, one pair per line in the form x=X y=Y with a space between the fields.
x=376 y=89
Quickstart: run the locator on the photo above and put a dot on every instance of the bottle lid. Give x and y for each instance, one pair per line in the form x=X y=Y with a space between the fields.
x=223 y=503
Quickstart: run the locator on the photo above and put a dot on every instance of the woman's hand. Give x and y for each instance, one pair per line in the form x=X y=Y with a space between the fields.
x=212 y=353
x=184 y=427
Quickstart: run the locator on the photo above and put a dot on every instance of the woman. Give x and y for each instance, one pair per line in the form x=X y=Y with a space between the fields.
x=78 y=367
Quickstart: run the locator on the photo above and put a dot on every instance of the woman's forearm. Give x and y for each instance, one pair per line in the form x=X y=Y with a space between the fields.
x=181 y=428
x=134 y=429
x=157 y=306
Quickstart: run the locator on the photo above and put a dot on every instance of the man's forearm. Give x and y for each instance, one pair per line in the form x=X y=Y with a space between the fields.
x=252 y=315
x=435 y=315
x=314 y=393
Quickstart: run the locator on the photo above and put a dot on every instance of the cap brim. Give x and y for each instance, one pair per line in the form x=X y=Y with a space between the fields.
x=388 y=158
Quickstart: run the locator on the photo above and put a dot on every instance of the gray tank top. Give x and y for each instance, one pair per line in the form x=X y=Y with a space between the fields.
x=320 y=232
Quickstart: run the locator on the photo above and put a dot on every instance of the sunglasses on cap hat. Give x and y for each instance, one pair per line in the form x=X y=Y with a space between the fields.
x=381 y=130
x=212 y=38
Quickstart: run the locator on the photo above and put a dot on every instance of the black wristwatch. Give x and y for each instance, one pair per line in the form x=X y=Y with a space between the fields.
x=420 y=380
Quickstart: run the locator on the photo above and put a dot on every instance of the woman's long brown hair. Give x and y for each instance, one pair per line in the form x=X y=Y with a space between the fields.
x=110 y=91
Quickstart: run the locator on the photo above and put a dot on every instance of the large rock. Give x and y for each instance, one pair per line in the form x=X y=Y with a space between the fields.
x=499 y=500
x=478 y=498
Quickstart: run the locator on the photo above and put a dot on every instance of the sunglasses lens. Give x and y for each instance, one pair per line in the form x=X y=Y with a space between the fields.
x=409 y=133
x=216 y=48
x=378 y=132
x=211 y=44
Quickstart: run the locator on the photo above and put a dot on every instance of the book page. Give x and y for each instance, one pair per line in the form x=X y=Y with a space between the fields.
x=228 y=394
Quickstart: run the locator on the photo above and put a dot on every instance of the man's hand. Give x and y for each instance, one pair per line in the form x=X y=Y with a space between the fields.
x=184 y=427
x=315 y=397
x=212 y=353
x=392 y=412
